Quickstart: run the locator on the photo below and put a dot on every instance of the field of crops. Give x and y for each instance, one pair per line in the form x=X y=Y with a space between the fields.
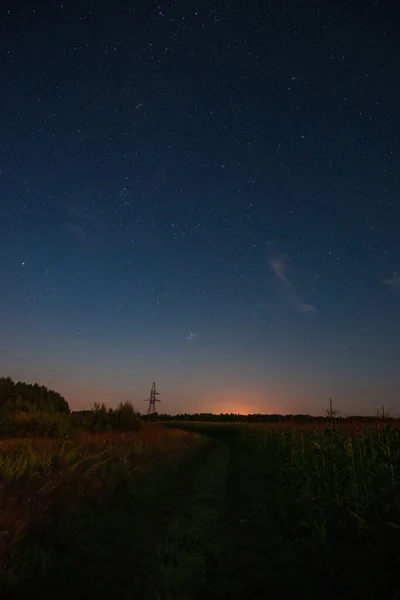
x=194 y=510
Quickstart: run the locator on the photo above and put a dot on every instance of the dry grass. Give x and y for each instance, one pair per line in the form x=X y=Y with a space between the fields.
x=41 y=478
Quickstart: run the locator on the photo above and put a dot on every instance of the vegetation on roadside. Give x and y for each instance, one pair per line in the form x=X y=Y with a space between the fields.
x=184 y=509
x=34 y=410
x=45 y=482
x=336 y=497
x=102 y=418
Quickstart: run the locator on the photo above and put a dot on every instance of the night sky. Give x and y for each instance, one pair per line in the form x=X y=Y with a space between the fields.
x=205 y=195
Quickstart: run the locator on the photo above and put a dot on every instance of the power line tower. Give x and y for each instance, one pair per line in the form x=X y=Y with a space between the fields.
x=152 y=400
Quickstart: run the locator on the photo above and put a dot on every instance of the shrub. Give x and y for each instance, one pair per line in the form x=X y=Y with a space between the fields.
x=102 y=419
x=35 y=422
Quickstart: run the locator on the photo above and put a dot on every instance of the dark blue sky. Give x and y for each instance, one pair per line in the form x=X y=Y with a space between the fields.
x=204 y=194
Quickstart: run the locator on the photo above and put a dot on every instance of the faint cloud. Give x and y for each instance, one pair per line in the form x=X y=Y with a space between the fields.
x=77 y=231
x=266 y=305
x=289 y=294
x=304 y=307
x=393 y=282
x=279 y=269
x=76 y=212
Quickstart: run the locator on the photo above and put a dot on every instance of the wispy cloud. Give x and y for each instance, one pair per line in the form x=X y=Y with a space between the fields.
x=77 y=231
x=304 y=307
x=393 y=282
x=279 y=269
x=288 y=291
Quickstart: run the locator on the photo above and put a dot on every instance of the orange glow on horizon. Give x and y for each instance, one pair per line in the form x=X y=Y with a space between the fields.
x=240 y=405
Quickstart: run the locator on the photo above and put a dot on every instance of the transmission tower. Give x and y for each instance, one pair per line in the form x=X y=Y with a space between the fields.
x=152 y=400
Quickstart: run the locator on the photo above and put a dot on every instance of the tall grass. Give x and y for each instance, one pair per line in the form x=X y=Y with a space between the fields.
x=337 y=492
x=42 y=479
x=35 y=422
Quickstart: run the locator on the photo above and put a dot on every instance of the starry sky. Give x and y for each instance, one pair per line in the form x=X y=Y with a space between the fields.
x=205 y=195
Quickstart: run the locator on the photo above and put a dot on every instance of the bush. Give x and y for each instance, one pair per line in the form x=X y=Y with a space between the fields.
x=101 y=418
x=35 y=423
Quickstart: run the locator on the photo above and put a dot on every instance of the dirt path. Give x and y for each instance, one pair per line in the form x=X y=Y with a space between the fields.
x=192 y=539
x=205 y=529
x=251 y=563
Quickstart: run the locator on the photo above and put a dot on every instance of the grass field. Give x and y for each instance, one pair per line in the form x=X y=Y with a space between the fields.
x=190 y=511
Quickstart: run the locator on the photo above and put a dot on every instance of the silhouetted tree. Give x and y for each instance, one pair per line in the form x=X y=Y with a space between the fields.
x=331 y=412
x=25 y=396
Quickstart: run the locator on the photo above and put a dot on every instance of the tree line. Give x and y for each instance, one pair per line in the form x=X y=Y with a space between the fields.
x=36 y=410
x=271 y=418
x=32 y=409
x=25 y=396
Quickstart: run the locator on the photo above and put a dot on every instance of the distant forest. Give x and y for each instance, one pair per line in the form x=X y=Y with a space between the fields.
x=265 y=418
x=27 y=409
x=25 y=396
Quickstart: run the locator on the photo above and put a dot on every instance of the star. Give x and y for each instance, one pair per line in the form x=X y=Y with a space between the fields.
x=177 y=180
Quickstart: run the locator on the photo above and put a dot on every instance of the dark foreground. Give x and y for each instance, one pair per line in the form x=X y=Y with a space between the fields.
x=205 y=526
